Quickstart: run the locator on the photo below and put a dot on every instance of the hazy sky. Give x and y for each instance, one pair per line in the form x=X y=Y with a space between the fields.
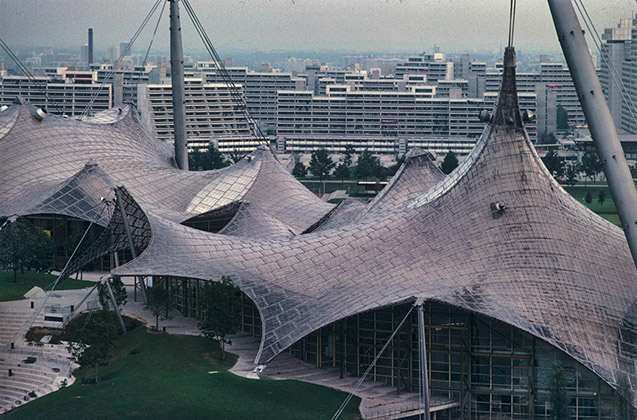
x=354 y=25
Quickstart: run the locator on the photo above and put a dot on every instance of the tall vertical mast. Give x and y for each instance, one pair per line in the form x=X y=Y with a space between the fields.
x=600 y=122
x=177 y=80
x=90 y=46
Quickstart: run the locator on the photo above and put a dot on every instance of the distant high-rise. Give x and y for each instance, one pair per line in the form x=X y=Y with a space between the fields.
x=113 y=53
x=90 y=46
x=617 y=60
x=84 y=53
x=124 y=48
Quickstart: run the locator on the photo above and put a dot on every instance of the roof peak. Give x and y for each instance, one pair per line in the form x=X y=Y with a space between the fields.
x=507 y=111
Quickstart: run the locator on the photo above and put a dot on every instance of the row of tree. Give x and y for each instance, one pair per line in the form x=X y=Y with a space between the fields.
x=321 y=165
x=211 y=158
x=367 y=165
x=590 y=166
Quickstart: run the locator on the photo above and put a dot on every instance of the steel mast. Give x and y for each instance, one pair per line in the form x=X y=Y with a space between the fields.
x=177 y=81
x=600 y=122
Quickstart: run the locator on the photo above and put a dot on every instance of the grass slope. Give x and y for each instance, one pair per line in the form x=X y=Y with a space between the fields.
x=606 y=210
x=160 y=376
x=15 y=291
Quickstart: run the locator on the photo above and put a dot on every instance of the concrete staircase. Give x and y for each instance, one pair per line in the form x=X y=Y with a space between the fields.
x=20 y=381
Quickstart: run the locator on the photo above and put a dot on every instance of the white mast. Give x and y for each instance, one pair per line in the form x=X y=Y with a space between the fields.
x=177 y=80
x=600 y=122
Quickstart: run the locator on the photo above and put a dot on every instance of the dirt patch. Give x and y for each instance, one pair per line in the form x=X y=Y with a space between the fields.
x=35 y=334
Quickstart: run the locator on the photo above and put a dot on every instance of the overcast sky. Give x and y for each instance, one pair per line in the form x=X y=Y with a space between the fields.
x=265 y=25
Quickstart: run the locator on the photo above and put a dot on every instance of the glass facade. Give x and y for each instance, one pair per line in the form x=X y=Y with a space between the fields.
x=494 y=370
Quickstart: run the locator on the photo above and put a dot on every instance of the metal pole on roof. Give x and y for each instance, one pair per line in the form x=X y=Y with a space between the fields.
x=129 y=238
x=111 y=296
x=177 y=81
x=600 y=122
x=422 y=344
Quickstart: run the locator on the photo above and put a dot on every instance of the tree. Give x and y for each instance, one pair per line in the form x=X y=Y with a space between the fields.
x=24 y=245
x=342 y=171
x=554 y=163
x=547 y=138
x=73 y=240
x=299 y=170
x=92 y=344
x=367 y=165
x=119 y=293
x=588 y=198
x=601 y=197
x=449 y=163
x=633 y=171
x=391 y=171
x=208 y=160
x=572 y=171
x=195 y=159
x=380 y=171
x=213 y=158
x=321 y=164
x=562 y=118
x=236 y=155
x=221 y=308
x=159 y=303
x=591 y=165
x=558 y=397
x=347 y=155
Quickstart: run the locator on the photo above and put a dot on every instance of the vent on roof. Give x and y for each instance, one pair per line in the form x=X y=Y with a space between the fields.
x=497 y=209
x=484 y=116
x=40 y=114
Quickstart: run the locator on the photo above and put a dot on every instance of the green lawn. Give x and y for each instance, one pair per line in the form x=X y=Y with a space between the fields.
x=351 y=187
x=159 y=376
x=606 y=210
x=15 y=291
x=579 y=193
x=613 y=218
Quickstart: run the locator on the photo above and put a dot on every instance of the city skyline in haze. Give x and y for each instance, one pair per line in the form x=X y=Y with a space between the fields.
x=279 y=25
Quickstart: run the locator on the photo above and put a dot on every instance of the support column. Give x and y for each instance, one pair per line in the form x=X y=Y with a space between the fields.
x=342 y=347
x=129 y=237
x=600 y=121
x=532 y=389
x=465 y=390
x=424 y=378
x=358 y=346
x=114 y=303
x=177 y=81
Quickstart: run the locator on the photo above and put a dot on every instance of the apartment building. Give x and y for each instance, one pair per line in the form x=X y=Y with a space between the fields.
x=126 y=78
x=435 y=66
x=259 y=88
x=617 y=72
x=384 y=84
x=553 y=82
x=212 y=115
x=70 y=94
x=378 y=121
x=558 y=77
